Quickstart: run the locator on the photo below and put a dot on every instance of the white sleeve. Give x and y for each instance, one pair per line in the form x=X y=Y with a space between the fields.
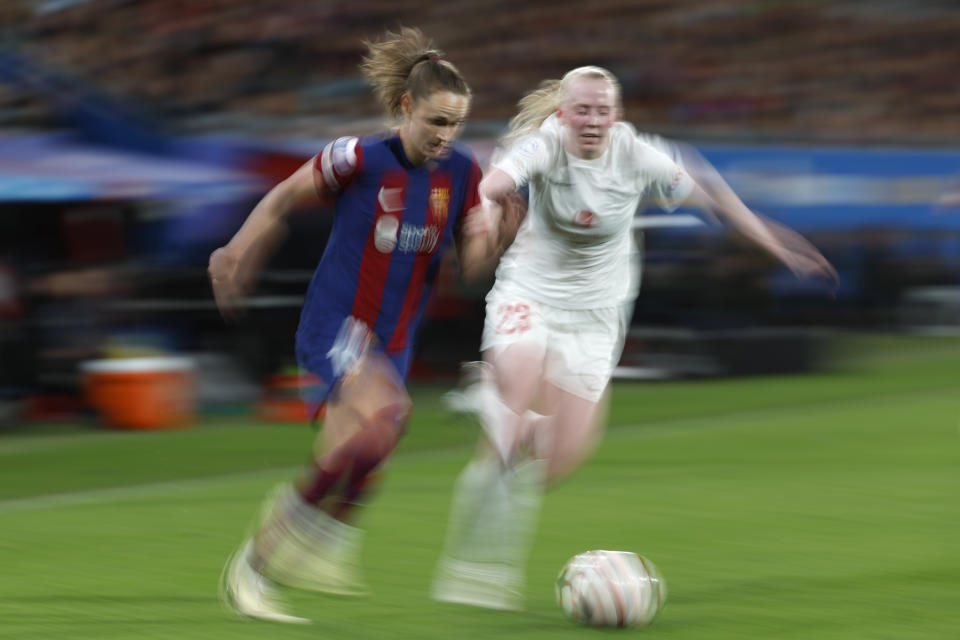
x=530 y=156
x=670 y=149
x=665 y=182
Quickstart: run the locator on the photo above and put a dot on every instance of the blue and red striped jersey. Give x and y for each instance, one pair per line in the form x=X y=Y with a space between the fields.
x=392 y=223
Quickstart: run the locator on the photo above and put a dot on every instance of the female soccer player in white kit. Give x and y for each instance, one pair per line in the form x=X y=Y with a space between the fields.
x=558 y=312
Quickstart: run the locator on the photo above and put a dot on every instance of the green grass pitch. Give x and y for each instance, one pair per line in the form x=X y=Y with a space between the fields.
x=816 y=506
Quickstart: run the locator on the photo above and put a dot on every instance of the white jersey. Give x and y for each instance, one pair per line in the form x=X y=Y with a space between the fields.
x=575 y=249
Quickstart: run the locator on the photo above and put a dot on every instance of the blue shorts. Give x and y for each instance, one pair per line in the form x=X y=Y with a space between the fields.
x=331 y=354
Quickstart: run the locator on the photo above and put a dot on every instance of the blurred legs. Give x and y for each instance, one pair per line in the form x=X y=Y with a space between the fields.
x=301 y=540
x=492 y=519
x=497 y=498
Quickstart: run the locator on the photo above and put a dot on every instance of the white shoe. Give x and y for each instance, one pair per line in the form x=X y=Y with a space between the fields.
x=251 y=595
x=490 y=586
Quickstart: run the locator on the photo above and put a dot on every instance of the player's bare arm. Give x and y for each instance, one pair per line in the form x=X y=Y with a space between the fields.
x=233 y=267
x=788 y=246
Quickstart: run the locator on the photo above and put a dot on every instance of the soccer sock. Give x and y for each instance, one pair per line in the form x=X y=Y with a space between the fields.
x=497 y=499
x=495 y=511
x=477 y=512
x=299 y=545
x=342 y=472
x=524 y=484
x=353 y=497
x=284 y=515
x=492 y=520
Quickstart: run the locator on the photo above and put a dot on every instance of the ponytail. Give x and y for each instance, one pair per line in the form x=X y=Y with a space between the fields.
x=535 y=107
x=408 y=62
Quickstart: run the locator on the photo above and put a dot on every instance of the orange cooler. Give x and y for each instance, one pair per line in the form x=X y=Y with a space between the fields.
x=141 y=393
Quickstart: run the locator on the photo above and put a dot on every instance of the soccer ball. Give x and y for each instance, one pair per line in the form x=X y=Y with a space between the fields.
x=611 y=589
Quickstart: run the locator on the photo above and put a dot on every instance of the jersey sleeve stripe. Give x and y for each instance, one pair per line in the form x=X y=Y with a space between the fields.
x=344 y=161
x=326 y=166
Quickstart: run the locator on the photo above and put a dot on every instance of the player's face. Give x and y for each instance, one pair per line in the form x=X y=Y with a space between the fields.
x=432 y=124
x=588 y=112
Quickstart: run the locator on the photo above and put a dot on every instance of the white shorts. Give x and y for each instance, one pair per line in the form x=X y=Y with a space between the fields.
x=580 y=347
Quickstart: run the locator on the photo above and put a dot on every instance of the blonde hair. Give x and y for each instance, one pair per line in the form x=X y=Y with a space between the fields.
x=408 y=62
x=536 y=106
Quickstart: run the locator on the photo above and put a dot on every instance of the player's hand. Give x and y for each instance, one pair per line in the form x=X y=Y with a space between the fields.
x=810 y=265
x=229 y=288
x=800 y=256
x=483 y=219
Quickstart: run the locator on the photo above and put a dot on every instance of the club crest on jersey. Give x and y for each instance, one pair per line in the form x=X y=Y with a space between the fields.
x=439 y=202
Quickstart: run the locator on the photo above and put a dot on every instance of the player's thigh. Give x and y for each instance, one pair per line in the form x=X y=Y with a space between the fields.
x=371 y=387
x=374 y=385
x=514 y=341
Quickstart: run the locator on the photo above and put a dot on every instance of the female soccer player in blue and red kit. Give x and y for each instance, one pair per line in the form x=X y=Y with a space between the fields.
x=399 y=200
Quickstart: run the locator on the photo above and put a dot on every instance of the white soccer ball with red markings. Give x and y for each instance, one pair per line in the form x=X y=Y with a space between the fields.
x=611 y=589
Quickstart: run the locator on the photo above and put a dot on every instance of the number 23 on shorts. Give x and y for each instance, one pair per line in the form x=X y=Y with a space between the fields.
x=514 y=318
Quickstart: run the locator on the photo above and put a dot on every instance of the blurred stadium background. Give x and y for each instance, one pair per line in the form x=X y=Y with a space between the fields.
x=135 y=136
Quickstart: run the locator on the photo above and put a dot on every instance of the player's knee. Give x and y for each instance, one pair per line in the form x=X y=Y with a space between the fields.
x=394 y=419
x=380 y=433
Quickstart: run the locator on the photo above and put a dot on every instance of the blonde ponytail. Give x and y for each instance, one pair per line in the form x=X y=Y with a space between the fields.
x=535 y=107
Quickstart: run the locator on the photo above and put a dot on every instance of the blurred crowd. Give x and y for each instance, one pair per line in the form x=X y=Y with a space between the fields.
x=850 y=70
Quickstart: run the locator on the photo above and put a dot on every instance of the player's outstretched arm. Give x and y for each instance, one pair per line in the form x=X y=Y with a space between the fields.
x=788 y=246
x=233 y=268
